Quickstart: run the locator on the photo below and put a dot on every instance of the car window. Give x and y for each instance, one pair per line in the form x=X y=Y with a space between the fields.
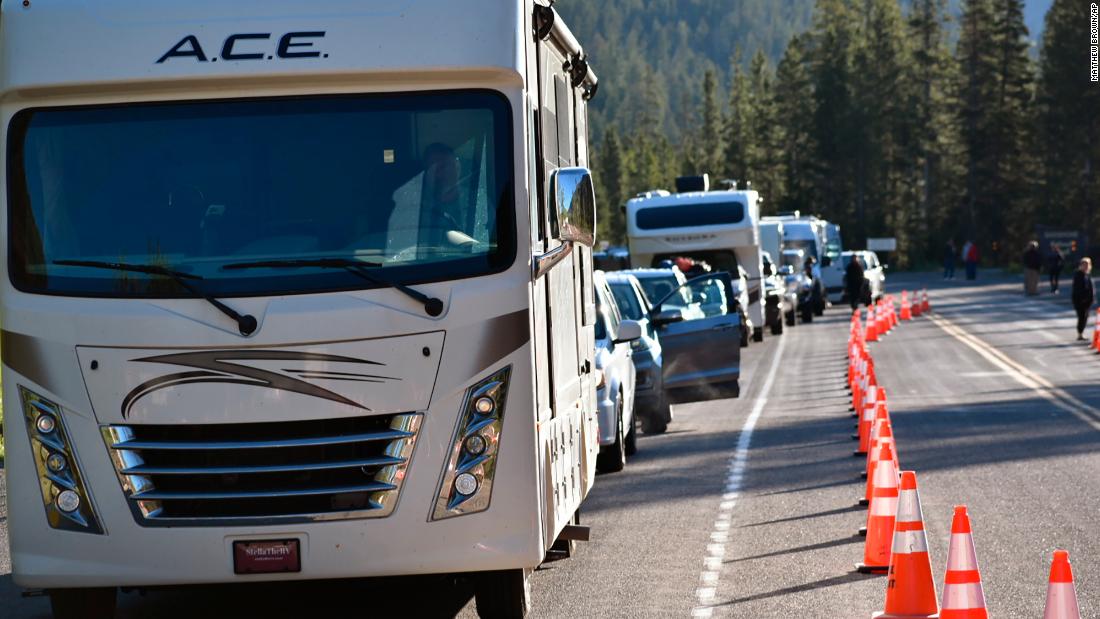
x=657 y=288
x=710 y=294
x=627 y=300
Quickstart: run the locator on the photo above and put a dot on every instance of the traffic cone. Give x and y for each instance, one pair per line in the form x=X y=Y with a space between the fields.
x=893 y=311
x=880 y=516
x=869 y=406
x=1061 y=594
x=1096 y=333
x=905 y=313
x=872 y=326
x=870 y=412
x=963 y=597
x=885 y=437
x=916 y=304
x=910 y=592
x=925 y=305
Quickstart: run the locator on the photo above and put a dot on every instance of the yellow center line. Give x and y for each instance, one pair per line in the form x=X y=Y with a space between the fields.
x=1040 y=385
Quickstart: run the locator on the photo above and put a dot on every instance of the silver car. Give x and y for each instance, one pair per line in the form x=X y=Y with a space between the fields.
x=650 y=401
x=615 y=390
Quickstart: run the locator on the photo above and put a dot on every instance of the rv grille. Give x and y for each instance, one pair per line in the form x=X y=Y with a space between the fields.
x=180 y=475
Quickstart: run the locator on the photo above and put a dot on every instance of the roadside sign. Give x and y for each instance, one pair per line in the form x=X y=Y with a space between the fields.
x=883 y=244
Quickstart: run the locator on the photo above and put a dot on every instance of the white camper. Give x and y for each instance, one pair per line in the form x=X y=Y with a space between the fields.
x=294 y=291
x=719 y=227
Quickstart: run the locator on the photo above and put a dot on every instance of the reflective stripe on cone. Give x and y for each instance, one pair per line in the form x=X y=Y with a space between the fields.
x=910 y=591
x=881 y=515
x=963 y=597
x=1061 y=593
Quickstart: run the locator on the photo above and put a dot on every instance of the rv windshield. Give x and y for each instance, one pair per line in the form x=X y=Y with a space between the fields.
x=808 y=246
x=417 y=184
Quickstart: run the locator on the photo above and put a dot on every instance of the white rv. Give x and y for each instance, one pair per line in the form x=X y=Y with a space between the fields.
x=294 y=291
x=719 y=227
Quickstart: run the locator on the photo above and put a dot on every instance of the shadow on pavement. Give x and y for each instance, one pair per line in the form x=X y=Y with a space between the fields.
x=818 y=584
x=844 y=541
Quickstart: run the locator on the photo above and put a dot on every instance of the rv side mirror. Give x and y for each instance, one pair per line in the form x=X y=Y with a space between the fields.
x=768 y=269
x=629 y=330
x=574 y=197
x=667 y=316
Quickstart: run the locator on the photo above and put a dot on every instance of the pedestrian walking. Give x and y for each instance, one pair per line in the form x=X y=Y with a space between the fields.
x=970 y=257
x=854 y=281
x=1032 y=263
x=949 y=251
x=1083 y=294
x=1055 y=263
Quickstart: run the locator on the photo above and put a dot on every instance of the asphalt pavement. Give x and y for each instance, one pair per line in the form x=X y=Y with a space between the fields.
x=747 y=507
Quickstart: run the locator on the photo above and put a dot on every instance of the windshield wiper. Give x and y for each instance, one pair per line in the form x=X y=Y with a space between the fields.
x=432 y=305
x=246 y=324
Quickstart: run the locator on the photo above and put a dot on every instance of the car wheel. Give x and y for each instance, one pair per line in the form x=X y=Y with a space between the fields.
x=505 y=593
x=777 y=327
x=790 y=318
x=745 y=336
x=630 y=443
x=612 y=457
x=95 y=603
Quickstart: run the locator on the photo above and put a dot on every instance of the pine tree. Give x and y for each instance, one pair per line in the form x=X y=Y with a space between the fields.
x=1011 y=218
x=977 y=88
x=832 y=45
x=1068 y=120
x=881 y=131
x=740 y=146
x=710 y=129
x=610 y=173
x=935 y=141
x=793 y=102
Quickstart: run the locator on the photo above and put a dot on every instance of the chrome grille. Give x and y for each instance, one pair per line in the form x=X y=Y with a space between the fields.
x=252 y=473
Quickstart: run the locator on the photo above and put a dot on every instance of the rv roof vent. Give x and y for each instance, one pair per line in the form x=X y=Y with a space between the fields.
x=790 y=214
x=685 y=184
x=729 y=184
x=654 y=193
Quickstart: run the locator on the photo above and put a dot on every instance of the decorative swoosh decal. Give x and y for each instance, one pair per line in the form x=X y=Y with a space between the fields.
x=218 y=367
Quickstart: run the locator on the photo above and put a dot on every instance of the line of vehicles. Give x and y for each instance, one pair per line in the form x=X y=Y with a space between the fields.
x=307 y=292
x=696 y=283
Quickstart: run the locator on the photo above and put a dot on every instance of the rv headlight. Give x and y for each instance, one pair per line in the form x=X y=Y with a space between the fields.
x=466 y=484
x=64 y=495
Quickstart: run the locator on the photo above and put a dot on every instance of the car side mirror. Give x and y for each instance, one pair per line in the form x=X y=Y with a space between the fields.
x=572 y=193
x=667 y=316
x=768 y=270
x=629 y=330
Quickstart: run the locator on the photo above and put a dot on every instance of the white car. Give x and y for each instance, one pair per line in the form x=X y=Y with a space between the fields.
x=874 y=274
x=615 y=392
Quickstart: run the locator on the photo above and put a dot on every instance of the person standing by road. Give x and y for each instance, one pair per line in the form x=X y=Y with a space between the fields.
x=1083 y=294
x=1055 y=263
x=854 y=281
x=970 y=257
x=949 y=259
x=1032 y=263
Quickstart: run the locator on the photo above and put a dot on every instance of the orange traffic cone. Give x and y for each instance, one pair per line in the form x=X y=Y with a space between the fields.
x=925 y=305
x=893 y=311
x=880 y=516
x=963 y=597
x=1096 y=333
x=1061 y=594
x=916 y=304
x=885 y=437
x=910 y=592
x=872 y=326
x=870 y=406
x=905 y=313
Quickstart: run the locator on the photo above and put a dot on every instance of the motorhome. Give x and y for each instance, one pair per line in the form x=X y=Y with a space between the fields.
x=294 y=291
x=811 y=235
x=718 y=227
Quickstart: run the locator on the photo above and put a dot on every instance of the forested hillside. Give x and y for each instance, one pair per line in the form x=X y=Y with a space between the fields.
x=890 y=119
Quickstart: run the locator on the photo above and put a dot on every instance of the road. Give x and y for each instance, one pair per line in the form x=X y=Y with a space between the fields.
x=746 y=507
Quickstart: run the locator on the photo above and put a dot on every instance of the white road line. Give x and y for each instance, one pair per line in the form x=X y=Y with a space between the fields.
x=716 y=549
x=1041 y=386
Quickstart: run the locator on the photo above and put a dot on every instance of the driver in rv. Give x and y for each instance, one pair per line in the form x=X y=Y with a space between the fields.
x=442 y=196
